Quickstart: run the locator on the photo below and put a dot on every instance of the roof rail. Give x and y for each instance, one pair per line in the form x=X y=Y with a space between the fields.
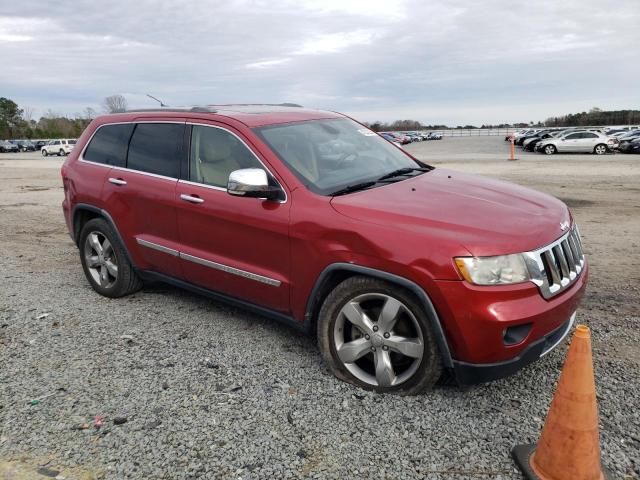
x=174 y=109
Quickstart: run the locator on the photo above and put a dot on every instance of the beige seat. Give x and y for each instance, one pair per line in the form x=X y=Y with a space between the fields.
x=215 y=161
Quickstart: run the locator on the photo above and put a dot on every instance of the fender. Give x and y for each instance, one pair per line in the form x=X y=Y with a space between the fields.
x=101 y=212
x=424 y=299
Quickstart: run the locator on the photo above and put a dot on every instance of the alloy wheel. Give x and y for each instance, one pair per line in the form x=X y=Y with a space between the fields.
x=378 y=340
x=600 y=149
x=101 y=259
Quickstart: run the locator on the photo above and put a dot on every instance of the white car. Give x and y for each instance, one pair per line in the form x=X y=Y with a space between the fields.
x=585 y=142
x=60 y=147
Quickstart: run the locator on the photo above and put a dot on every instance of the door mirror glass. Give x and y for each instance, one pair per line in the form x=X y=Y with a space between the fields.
x=253 y=183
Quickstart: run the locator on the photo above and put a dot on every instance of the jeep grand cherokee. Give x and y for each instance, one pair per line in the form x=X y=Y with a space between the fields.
x=402 y=270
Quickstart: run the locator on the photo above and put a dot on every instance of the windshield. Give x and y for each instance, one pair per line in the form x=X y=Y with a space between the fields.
x=327 y=155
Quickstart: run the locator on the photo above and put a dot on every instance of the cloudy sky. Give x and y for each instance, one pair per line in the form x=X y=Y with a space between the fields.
x=438 y=61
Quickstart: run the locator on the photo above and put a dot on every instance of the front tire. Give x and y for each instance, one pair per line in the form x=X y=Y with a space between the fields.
x=550 y=149
x=44 y=153
x=600 y=149
x=377 y=336
x=105 y=262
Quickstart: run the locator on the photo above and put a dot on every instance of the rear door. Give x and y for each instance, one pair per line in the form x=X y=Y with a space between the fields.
x=588 y=141
x=141 y=195
x=234 y=245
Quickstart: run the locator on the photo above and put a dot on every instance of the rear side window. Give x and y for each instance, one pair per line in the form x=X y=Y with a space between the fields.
x=155 y=148
x=109 y=145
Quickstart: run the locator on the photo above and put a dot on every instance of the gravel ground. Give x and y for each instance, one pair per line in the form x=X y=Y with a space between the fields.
x=189 y=388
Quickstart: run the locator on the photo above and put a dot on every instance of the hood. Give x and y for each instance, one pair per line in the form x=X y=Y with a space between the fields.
x=480 y=214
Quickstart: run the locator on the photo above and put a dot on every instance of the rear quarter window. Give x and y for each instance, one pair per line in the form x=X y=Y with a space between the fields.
x=109 y=145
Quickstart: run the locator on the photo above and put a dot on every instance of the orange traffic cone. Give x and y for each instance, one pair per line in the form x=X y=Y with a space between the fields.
x=569 y=447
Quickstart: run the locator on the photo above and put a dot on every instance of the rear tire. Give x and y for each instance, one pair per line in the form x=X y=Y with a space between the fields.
x=61 y=153
x=600 y=149
x=105 y=261
x=376 y=335
x=549 y=149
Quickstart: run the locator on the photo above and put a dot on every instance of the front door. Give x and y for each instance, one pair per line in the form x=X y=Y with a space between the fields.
x=233 y=245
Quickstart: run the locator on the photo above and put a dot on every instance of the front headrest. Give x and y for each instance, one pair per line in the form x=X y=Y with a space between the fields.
x=214 y=146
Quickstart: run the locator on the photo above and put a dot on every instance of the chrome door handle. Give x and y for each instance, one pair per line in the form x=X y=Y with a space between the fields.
x=117 y=181
x=191 y=198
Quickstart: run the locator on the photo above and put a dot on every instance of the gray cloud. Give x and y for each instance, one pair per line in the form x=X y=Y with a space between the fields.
x=449 y=61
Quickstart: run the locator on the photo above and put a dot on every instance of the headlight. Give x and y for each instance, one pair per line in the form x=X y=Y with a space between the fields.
x=500 y=270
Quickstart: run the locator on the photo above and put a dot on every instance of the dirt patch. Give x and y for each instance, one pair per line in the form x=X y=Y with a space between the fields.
x=576 y=202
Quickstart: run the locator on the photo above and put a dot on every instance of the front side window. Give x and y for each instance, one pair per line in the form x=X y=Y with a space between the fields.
x=109 y=145
x=155 y=148
x=327 y=155
x=573 y=136
x=215 y=153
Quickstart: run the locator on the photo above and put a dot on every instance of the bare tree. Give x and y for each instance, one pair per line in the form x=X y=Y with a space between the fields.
x=27 y=114
x=89 y=113
x=115 y=104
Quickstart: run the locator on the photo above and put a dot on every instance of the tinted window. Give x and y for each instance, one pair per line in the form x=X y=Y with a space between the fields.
x=573 y=136
x=155 y=148
x=109 y=145
x=215 y=153
x=589 y=135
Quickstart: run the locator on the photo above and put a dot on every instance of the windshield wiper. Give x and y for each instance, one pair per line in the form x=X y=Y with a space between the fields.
x=353 y=188
x=403 y=171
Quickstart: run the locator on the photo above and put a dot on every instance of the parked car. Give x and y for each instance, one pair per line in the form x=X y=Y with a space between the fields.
x=531 y=142
x=60 y=147
x=434 y=136
x=414 y=137
x=585 y=142
x=6 y=146
x=241 y=204
x=630 y=146
x=392 y=138
x=40 y=143
x=630 y=135
x=401 y=139
x=521 y=138
x=26 y=145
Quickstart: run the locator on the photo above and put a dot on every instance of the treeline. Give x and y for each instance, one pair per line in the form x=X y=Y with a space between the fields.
x=595 y=116
x=18 y=123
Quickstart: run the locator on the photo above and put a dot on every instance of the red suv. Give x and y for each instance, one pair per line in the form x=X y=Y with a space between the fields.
x=403 y=270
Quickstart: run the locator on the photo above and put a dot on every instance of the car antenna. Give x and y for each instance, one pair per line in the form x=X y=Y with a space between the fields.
x=157 y=100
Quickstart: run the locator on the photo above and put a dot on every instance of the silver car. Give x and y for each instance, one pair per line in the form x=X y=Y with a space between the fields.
x=584 y=142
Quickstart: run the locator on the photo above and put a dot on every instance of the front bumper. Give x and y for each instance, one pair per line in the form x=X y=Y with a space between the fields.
x=473 y=373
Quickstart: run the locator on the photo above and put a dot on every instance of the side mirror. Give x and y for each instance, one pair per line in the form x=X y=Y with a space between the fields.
x=252 y=183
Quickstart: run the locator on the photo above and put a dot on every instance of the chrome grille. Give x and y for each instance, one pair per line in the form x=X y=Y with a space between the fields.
x=557 y=266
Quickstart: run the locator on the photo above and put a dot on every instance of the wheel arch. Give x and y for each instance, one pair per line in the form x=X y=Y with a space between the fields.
x=84 y=212
x=336 y=273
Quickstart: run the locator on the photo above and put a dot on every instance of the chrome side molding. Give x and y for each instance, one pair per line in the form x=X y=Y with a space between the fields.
x=208 y=263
